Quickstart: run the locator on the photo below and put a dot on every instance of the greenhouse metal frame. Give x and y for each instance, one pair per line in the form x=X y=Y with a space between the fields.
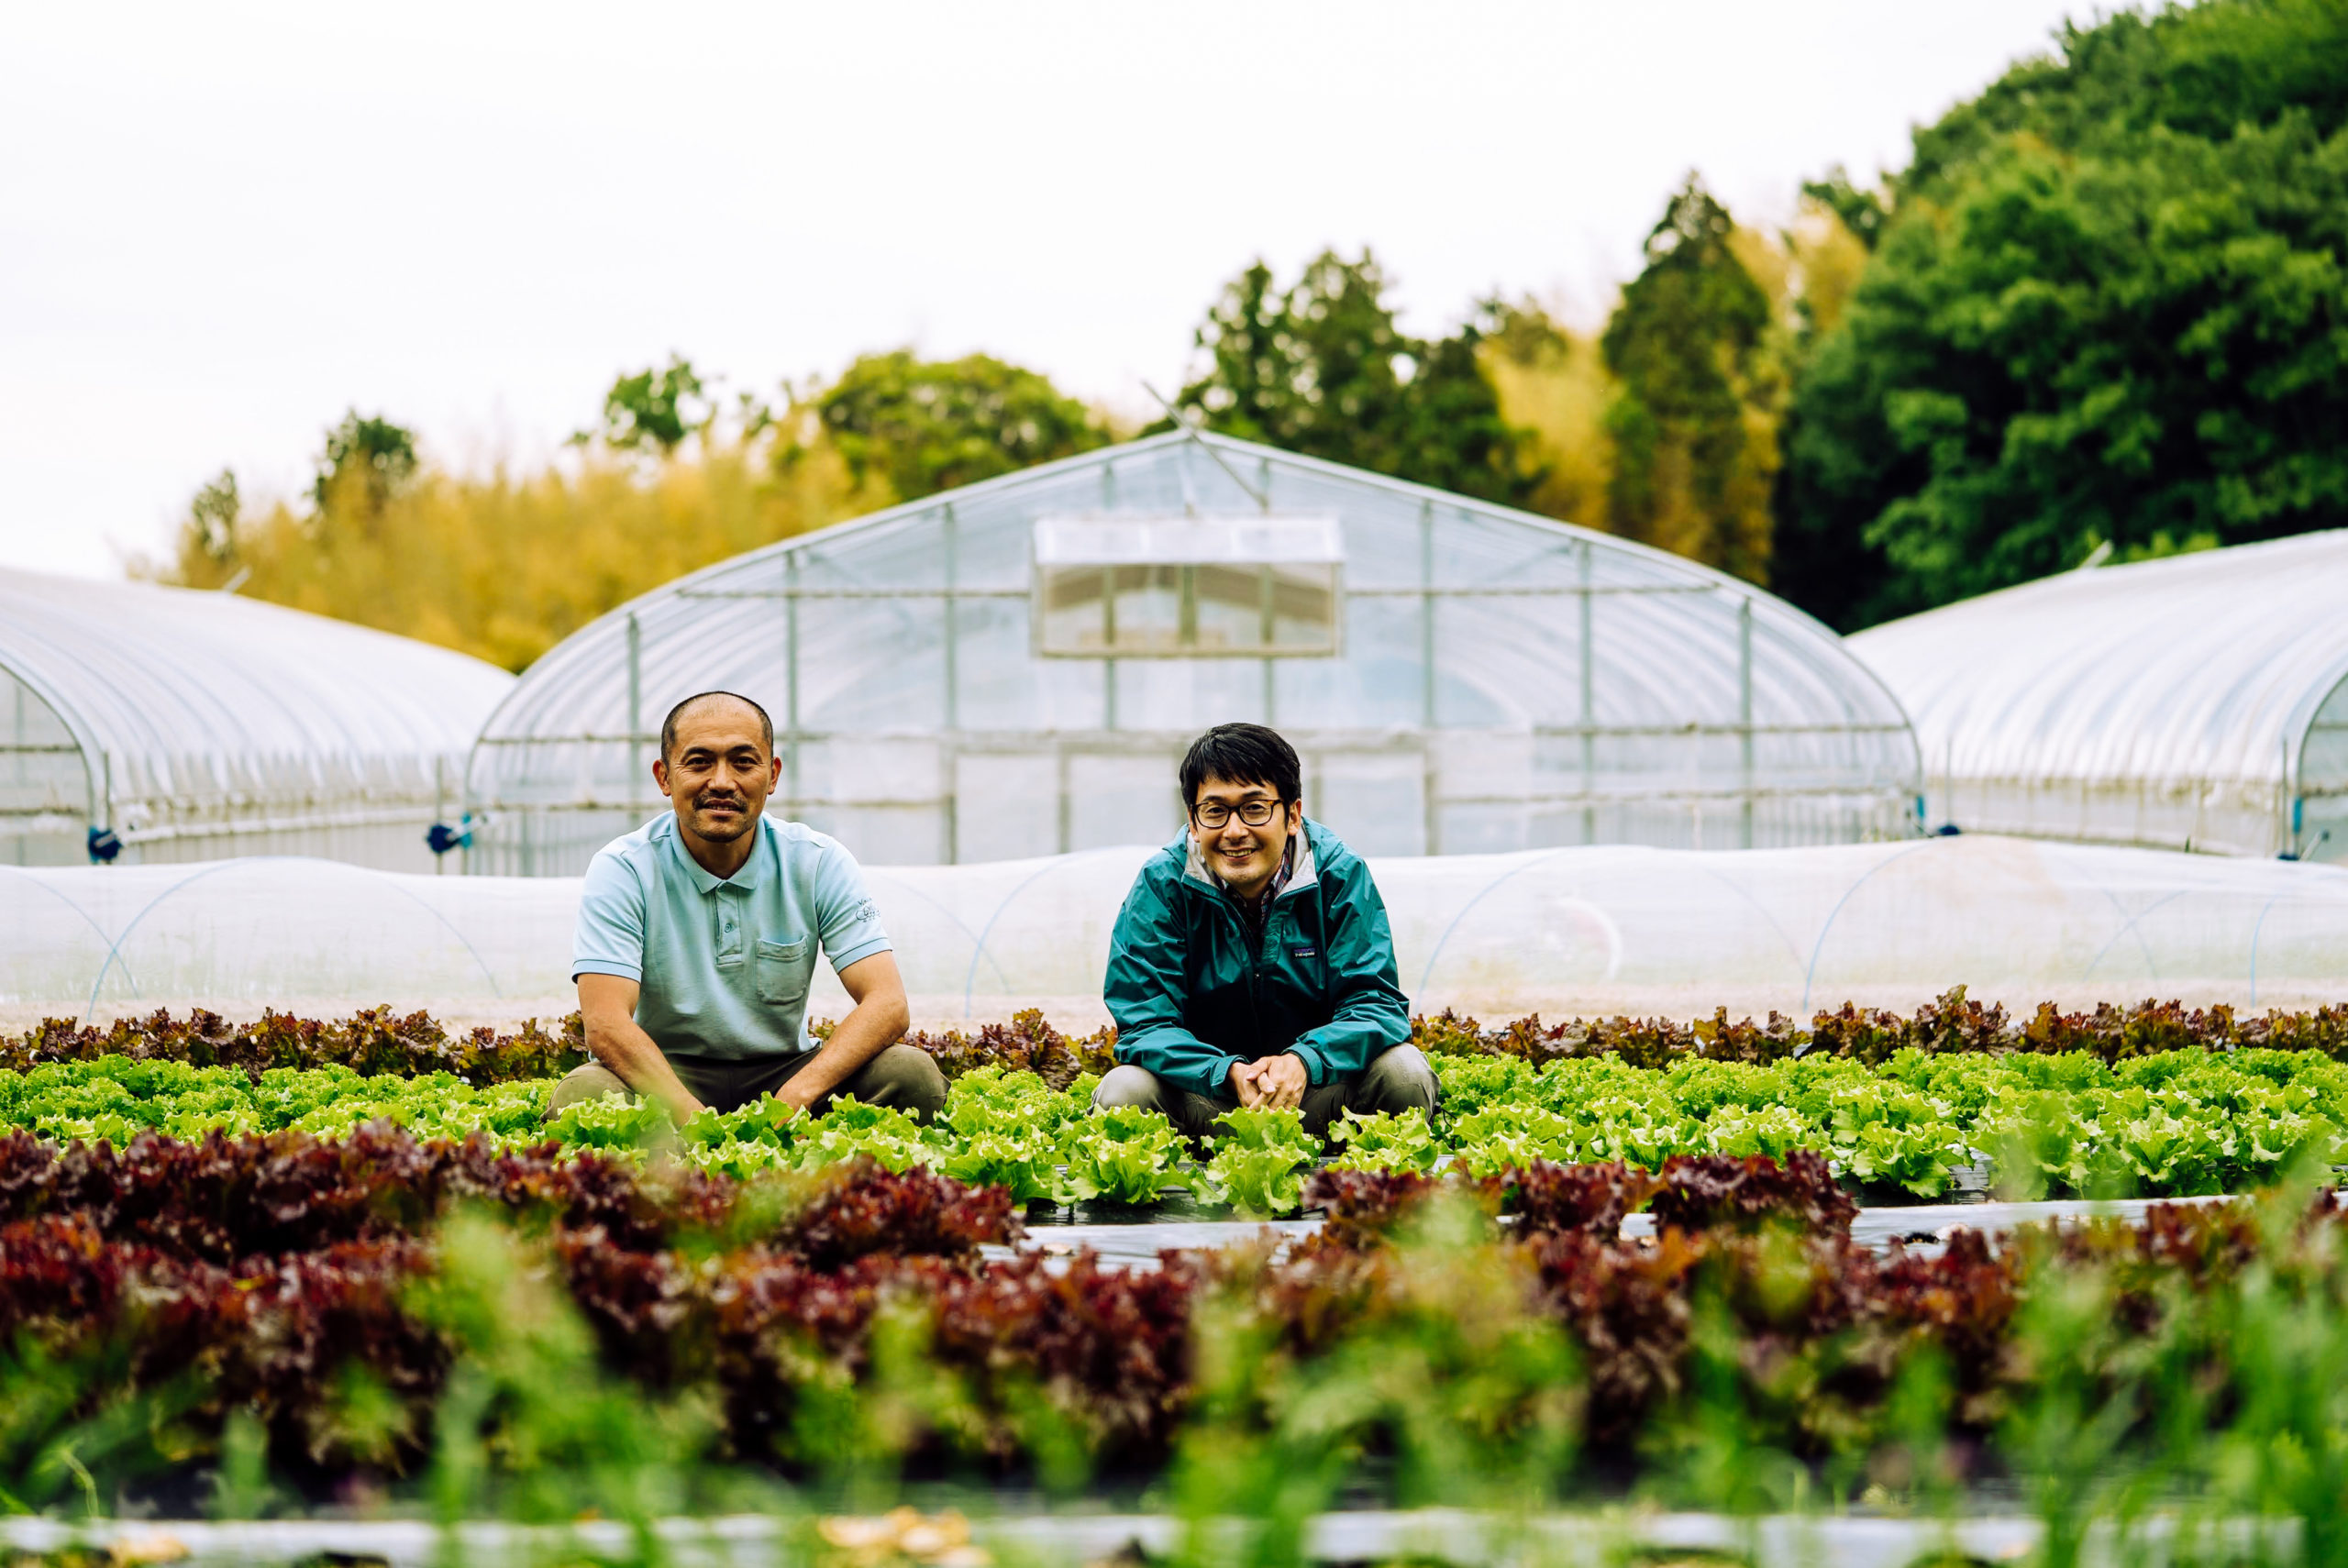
x=153 y=724
x=2195 y=702
x=1012 y=669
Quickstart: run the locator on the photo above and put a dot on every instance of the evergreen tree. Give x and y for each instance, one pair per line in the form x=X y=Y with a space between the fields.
x=1691 y=462
x=1323 y=368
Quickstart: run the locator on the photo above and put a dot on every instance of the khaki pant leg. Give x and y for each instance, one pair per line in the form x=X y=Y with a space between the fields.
x=1193 y=1115
x=591 y=1081
x=1398 y=1079
x=902 y=1078
x=1324 y=1105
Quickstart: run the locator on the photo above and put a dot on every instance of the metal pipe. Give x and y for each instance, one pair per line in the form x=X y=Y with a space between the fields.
x=634 y=706
x=1583 y=569
x=1745 y=715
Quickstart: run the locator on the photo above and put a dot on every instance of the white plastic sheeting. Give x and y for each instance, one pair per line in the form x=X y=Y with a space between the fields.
x=198 y=725
x=1583 y=930
x=1463 y=679
x=2195 y=702
x=1064 y=1539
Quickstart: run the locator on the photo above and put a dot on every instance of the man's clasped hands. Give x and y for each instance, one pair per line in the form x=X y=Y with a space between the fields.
x=1274 y=1083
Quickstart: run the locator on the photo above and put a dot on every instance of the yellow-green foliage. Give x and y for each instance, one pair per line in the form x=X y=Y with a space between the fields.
x=1555 y=389
x=502 y=566
x=1554 y=385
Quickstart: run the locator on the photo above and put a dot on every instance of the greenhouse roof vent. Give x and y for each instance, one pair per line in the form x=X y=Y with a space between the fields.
x=1188 y=541
x=1157 y=585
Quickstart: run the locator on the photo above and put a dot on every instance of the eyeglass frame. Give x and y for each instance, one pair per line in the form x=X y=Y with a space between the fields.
x=1271 y=809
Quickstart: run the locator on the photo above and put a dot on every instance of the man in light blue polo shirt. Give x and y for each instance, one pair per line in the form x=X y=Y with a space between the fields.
x=697 y=938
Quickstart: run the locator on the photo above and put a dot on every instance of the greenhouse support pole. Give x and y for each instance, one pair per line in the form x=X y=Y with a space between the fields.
x=1109 y=641
x=1588 y=703
x=635 y=709
x=2295 y=812
x=951 y=792
x=1266 y=629
x=465 y=807
x=791 y=676
x=1063 y=825
x=1745 y=715
x=1430 y=779
x=1426 y=615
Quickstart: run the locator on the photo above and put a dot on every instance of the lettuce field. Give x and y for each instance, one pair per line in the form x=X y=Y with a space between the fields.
x=2155 y=1102
x=503 y=1329
x=350 y=1265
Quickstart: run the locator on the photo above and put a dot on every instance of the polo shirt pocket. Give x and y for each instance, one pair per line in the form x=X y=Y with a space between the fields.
x=782 y=970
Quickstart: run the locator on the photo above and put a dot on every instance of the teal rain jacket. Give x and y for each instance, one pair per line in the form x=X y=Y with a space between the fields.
x=1190 y=997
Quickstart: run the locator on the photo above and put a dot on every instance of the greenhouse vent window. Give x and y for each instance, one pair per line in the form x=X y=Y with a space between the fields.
x=1175 y=587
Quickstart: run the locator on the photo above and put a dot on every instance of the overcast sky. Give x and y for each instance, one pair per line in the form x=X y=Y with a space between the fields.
x=221 y=225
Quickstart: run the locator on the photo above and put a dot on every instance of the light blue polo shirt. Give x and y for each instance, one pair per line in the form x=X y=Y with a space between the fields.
x=724 y=963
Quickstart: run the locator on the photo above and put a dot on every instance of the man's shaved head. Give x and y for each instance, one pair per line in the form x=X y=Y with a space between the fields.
x=668 y=724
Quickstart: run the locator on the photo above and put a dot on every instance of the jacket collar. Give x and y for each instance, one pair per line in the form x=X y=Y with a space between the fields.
x=1304 y=865
x=753 y=870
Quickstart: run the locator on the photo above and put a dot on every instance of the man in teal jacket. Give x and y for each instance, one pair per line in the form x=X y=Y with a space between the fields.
x=1252 y=964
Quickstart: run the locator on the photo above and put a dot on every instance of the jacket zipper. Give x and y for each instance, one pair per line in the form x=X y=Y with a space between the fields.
x=1256 y=949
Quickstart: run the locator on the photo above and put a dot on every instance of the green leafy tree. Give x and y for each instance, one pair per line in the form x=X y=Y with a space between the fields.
x=2110 y=305
x=1862 y=211
x=2204 y=72
x=654 y=410
x=213 y=517
x=1693 y=422
x=927 y=426
x=365 y=461
x=1322 y=368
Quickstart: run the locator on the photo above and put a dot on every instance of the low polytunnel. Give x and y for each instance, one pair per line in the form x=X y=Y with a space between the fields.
x=159 y=724
x=1577 y=932
x=1013 y=668
x=2195 y=702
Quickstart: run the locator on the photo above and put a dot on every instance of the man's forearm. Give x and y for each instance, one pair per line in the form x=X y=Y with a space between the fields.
x=871 y=1027
x=631 y=1054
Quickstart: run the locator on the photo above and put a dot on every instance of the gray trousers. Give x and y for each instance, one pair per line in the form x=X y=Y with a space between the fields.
x=1396 y=1080
x=903 y=1077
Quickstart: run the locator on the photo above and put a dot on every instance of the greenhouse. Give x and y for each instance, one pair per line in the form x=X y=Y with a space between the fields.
x=160 y=725
x=1011 y=669
x=2195 y=702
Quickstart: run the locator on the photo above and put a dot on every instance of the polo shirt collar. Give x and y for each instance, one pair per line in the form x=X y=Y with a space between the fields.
x=752 y=872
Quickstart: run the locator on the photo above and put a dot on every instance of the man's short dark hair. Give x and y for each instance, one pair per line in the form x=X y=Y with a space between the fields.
x=668 y=724
x=1242 y=753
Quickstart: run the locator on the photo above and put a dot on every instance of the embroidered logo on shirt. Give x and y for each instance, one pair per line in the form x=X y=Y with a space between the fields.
x=1302 y=952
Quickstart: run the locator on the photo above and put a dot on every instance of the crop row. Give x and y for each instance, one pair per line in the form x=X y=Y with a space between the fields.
x=2179 y=1122
x=378 y=1040
x=336 y=1294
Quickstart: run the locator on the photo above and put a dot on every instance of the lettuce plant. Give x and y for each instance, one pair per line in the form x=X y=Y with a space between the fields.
x=1386 y=1141
x=889 y=1138
x=1124 y=1154
x=1259 y=1169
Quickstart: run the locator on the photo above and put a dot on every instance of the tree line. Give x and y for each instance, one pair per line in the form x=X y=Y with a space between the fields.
x=2104 y=304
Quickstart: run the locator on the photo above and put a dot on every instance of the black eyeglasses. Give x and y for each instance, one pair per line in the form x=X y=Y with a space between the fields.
x=1214 y=813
